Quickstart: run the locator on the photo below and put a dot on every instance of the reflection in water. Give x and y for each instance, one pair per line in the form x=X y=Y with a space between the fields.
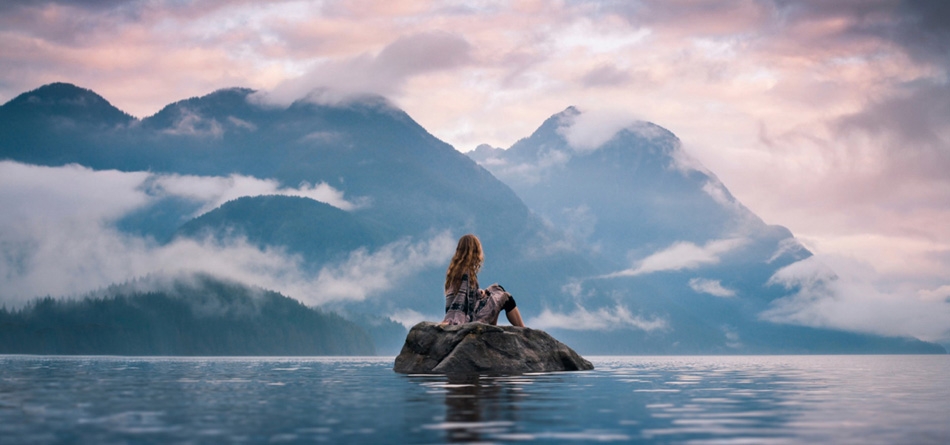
x=463 y=411
x=476 y=407
x=617 y=403
x=826 y=399
x=692 y=400
x=712 y=401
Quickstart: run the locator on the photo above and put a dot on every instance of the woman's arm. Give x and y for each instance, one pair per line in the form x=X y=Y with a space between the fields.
x=514 y=317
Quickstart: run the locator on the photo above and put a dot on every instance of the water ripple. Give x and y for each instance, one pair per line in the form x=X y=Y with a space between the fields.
x=695 y=400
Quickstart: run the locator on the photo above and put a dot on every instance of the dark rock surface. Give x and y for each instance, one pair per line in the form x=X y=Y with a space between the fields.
x=480 y=348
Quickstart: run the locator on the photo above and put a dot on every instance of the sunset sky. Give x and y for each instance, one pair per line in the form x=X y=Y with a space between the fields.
x=830 y=118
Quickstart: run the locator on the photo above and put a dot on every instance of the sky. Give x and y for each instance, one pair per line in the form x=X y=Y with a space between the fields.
x=829 y=118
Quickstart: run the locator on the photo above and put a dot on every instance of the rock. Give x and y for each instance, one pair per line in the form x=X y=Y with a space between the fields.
x=431 y=348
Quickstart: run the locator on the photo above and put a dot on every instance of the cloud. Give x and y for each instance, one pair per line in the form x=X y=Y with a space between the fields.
x=941 y=293
x=847 y=294
x=711 y=287
x=33 y=195
x=589 y=130
x=550 y=240
x=906 y=130
x=92 y=5
x=602 y=319
x=917 y=27
x=682 y=255
x=732 y=336
x=57 y=237
x=875 y=175
x=534 y=171
x=718 y=192
x=605 y=75
x=217 y=190
x=367 y=273
x=789 y=246
x=923 y=31
x=583 y=133
x=190 y=123
x=74 y=256
x=384 y=73
x=409 y=317
x=579 y=222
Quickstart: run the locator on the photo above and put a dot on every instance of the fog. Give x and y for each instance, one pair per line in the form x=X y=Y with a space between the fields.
x=58 y=238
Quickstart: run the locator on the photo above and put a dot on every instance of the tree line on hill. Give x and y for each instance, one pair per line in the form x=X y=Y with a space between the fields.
x=205 y=317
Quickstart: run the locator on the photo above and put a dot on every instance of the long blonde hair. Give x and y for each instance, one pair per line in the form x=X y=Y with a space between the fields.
x=468 y=259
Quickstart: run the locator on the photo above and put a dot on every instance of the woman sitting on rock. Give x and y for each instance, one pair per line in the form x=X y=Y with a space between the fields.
x=464 y=301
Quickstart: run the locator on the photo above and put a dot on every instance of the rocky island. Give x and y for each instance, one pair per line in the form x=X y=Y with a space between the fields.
x=431 y=348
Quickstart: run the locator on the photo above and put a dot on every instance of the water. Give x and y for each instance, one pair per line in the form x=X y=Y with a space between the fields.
x=752 y=399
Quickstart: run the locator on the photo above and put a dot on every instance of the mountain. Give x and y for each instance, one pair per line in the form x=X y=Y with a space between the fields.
x=365 y=146
x=689 y=264
x=637 y=189
x=413 y=185
x=198 y=315
x=57 y=124
x=65 y=103
x=313 y=229
x=622 y=247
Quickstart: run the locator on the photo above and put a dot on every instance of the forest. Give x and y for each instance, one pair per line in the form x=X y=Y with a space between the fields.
x=201 y=316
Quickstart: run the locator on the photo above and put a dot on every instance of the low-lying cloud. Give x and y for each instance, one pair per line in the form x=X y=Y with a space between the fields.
x=58 y=238
x=366 y=273
x=217 y=190
x=530 y=172
x=601 y=319
x=711 y=287
x=845 y=294
x=409 y=317
x=589 y=130
x=682 y=255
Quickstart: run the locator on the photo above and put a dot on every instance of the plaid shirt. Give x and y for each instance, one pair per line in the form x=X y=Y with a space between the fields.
x=466 y=305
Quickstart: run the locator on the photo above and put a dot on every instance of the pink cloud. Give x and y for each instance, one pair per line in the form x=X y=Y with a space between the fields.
x=384 y=73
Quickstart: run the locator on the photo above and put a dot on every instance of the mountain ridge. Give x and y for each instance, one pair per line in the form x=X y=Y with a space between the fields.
x=65 y=99
x=622 y=246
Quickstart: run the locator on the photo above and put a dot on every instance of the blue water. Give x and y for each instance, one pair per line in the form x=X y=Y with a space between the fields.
x=749 y=399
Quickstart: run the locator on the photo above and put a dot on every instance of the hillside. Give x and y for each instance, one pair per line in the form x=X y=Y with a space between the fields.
x=186 y=316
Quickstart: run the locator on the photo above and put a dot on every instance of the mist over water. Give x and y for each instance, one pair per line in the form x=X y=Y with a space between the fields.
x=747 y=399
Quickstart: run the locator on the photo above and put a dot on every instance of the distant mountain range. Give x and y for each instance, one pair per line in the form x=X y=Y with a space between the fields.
x=625 y=246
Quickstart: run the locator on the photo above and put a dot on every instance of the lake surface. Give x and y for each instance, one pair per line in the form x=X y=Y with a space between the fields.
x=747 y=399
